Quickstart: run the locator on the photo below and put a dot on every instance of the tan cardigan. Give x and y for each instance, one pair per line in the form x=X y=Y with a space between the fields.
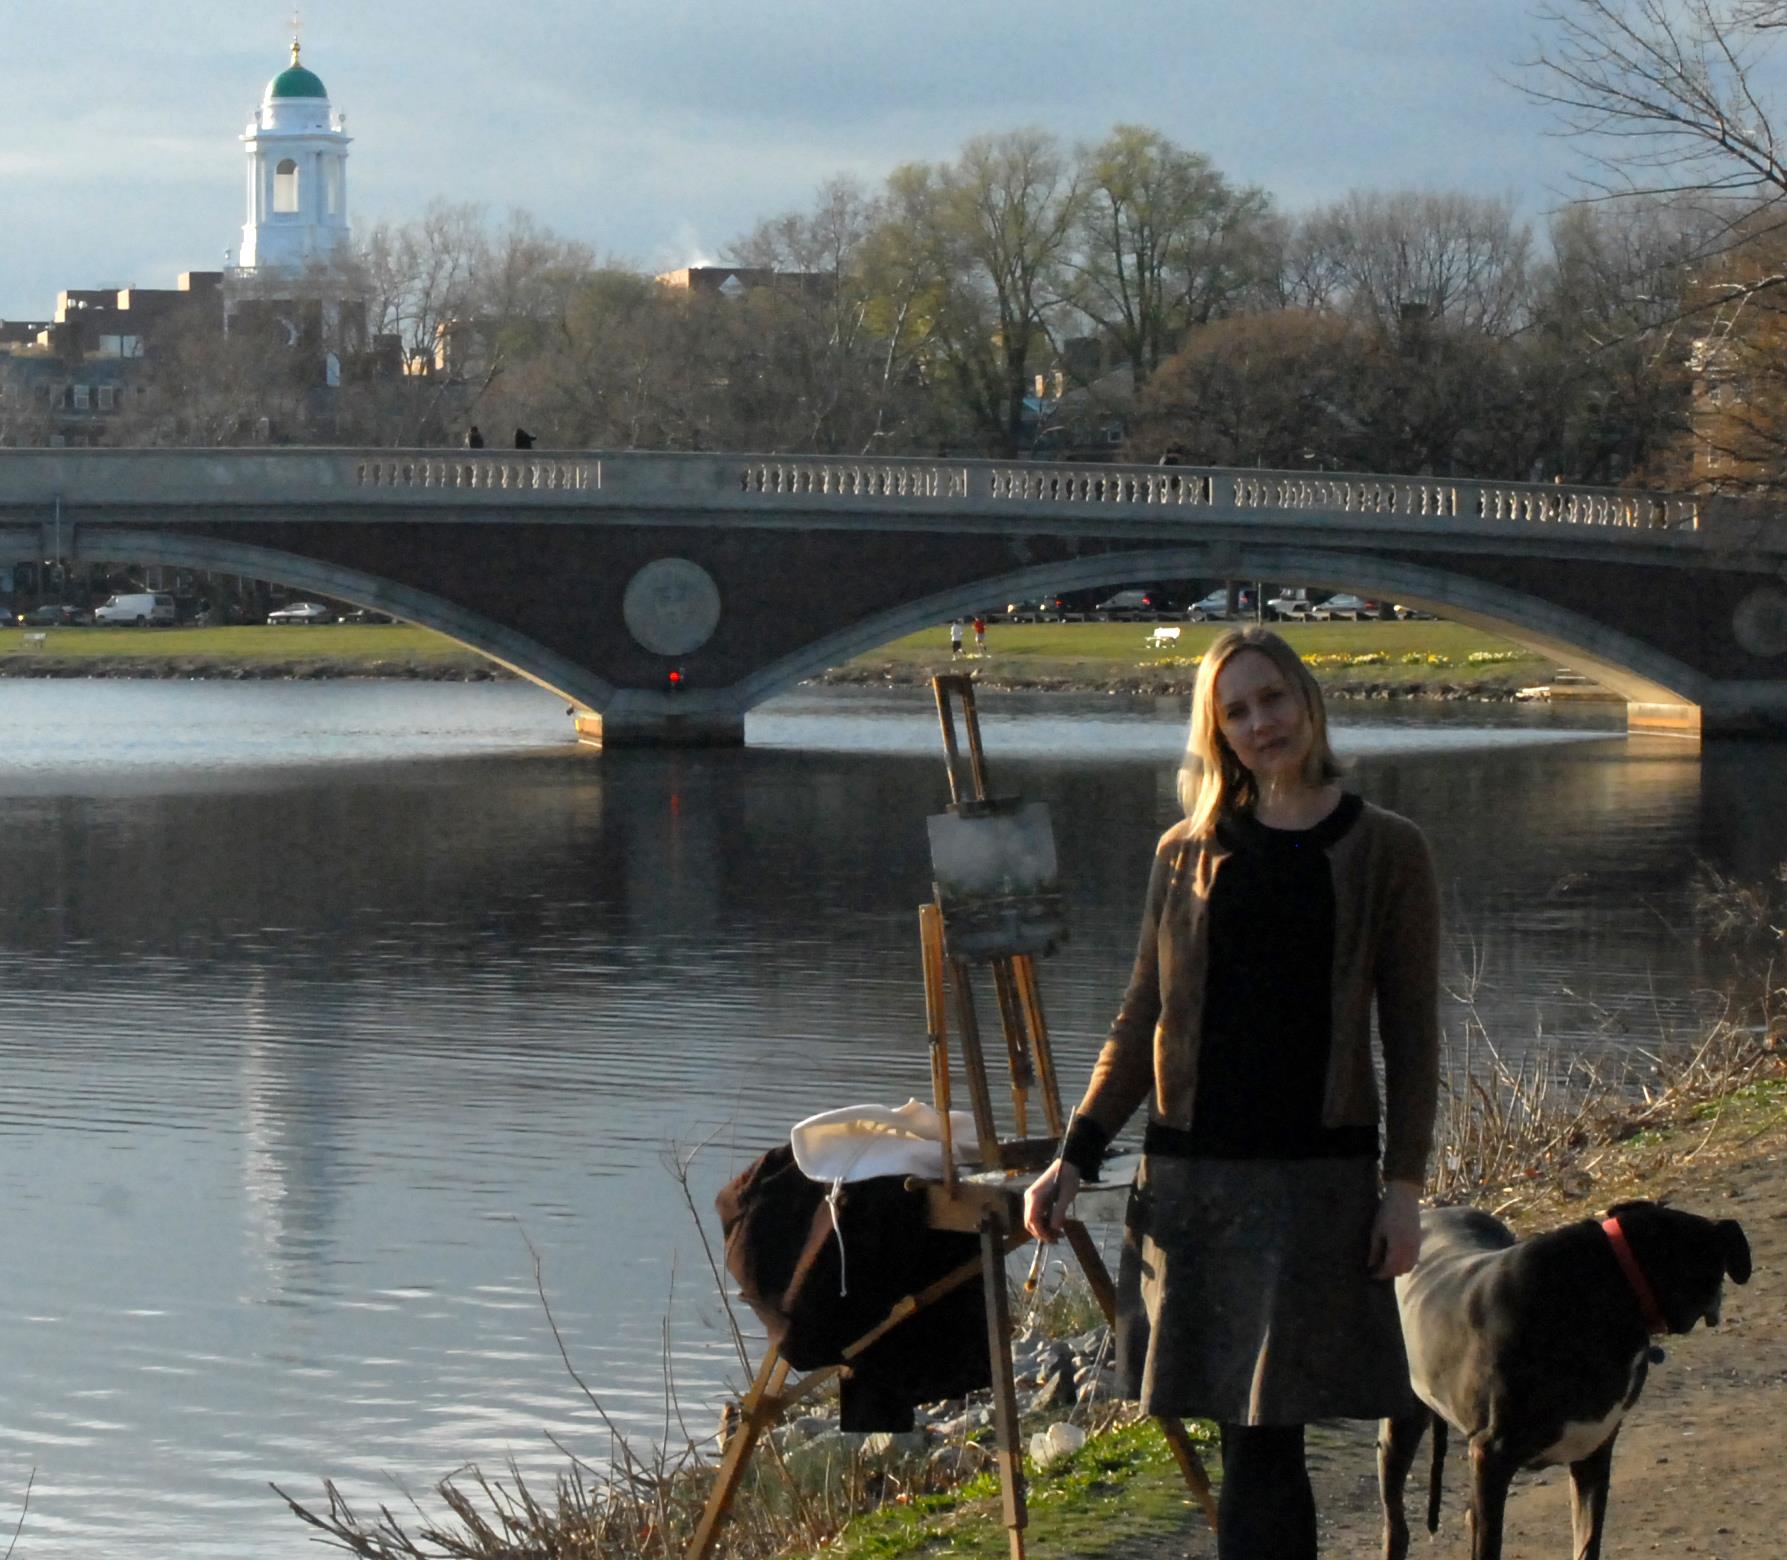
x=1386 y=946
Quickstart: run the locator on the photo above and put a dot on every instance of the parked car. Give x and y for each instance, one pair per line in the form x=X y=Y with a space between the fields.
x=302 y=612
x=364 y=615
x=1344 y=607
x=1412 y=614
x=1065 y=604
x=1214 y=608
x=1289 y=605
x=138 y=608
x=1134 y=605
x=55 y=617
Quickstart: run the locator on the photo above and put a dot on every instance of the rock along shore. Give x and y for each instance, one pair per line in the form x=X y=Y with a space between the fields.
x=1150 y=681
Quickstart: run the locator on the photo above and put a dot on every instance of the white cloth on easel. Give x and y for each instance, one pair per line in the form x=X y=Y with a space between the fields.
x=860 y=1141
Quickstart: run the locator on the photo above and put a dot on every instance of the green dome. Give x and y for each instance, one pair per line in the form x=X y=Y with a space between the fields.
x=296 y=82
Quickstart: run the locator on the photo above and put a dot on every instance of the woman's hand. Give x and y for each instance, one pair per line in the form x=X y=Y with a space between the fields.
x=1396 y=1231
x=1047 y=1200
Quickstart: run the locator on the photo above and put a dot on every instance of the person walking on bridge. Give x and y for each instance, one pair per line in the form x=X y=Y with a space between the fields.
x=1254 y=1286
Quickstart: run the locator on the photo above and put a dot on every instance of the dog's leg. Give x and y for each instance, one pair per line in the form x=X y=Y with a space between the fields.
x=1491 y=1474
x=1434 y=1473
x=1397 y=1442
x=1589 y=1479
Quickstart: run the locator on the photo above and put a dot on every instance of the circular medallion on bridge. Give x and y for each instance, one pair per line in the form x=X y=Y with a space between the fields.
x=671 y=606
x=1760 y=621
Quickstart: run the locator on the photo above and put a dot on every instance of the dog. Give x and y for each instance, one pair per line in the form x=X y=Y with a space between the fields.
x=1533 y=1350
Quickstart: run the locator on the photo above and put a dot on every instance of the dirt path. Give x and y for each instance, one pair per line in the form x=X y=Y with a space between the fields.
x=1701 y=1466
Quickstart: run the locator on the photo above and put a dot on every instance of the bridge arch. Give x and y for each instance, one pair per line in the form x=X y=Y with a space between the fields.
x=503 y=645
x=1637 y=671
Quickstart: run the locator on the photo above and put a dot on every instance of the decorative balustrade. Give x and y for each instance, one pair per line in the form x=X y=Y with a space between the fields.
x=487 y=473
x=1095 y=485
x=705 y=482
x=854 y=479
x=1231 y=492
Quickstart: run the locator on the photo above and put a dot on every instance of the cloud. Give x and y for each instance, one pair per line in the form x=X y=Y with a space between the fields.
x=667 y=127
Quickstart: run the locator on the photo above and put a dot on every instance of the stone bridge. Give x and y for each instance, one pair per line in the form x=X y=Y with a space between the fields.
x=599 y=576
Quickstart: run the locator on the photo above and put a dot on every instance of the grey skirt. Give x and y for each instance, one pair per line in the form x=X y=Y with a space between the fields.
x=1242 y=1295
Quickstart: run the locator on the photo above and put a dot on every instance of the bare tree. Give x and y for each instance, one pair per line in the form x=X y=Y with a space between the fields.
x=983 y=241
x=1459 y=259
x=1664 y=93
x=1164 y=243
x=831 y=348
x=204 y=388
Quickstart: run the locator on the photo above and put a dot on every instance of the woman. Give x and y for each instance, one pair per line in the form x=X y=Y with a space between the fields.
x=1254 y=1283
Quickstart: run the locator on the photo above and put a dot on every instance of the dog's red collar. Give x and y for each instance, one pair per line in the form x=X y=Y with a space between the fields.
x=1628 y=1264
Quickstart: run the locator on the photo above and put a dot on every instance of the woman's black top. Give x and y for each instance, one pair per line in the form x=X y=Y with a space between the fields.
x=1268 y=1000
x=1268 y=1015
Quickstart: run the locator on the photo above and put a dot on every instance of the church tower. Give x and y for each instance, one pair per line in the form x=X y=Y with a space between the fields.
x=297 y=175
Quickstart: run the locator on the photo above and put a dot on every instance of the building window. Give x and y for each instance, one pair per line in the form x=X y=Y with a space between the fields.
x=82 y=398
x=285 y=185
x=107 y=397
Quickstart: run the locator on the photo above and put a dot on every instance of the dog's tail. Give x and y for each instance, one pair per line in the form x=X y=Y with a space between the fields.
x=1434 y=1477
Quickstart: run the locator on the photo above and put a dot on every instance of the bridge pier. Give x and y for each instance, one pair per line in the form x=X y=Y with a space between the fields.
x=677 y=728
x=1751 y=708
x=1664 y=720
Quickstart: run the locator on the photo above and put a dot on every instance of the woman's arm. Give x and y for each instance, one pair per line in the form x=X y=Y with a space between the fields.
x=1124 y=1071
x=1407 y=990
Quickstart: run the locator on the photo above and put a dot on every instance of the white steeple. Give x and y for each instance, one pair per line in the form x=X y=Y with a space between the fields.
x=297 y=175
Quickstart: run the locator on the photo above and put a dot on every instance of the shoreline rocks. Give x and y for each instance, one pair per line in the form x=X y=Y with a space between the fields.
x=893 y=675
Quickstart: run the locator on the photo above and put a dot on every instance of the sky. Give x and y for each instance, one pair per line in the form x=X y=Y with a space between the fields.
x=659 y=131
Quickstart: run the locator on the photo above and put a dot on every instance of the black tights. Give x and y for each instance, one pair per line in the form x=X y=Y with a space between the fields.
x=1265 y=1509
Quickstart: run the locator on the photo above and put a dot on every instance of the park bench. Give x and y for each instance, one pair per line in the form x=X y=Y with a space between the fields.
x=1163 y=638
x=35 y=639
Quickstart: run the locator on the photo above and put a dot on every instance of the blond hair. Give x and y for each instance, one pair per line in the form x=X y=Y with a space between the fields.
x=1212 y=781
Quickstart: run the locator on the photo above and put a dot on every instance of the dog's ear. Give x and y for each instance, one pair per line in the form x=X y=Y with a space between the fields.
x=1620 y=1210
x=1735 y=1248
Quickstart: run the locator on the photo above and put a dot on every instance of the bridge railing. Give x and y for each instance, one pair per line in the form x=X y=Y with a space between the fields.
x=1217 y=490
x=95 y=479
x=479 y=474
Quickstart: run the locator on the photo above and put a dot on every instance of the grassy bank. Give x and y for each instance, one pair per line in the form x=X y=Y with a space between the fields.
x=1415 y=657
x=327 y=649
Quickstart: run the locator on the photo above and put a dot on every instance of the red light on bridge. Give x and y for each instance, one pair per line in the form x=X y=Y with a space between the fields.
x=674 y=678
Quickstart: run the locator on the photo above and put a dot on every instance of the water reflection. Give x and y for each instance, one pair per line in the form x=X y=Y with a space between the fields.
x=302 y=1058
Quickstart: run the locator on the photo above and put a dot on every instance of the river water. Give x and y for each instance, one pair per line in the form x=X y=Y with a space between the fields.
x=325 y=1009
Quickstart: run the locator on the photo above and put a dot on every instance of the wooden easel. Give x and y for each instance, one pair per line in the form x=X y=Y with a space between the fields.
x=985 y=1198
x=992 y=1195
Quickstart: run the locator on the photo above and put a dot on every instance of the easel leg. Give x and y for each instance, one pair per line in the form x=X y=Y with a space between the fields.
x=761 y=1408
x=1010 y=1455
x=1098 y=1277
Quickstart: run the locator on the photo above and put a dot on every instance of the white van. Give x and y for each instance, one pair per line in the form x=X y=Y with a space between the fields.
x=140 y=608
